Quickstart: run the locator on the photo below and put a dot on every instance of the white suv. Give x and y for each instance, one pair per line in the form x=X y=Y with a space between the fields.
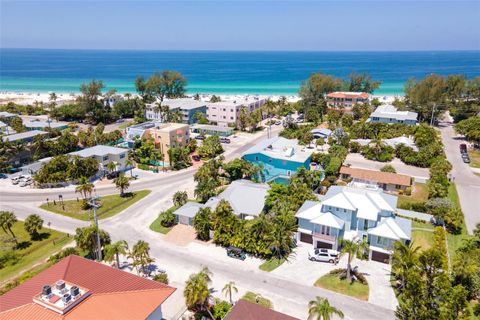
x=324 y=255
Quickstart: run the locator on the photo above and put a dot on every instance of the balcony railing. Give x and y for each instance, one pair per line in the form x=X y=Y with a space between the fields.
x=324 y=237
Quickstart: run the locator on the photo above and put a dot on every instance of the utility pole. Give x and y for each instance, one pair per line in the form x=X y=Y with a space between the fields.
x=95 y=205
x=433 y=111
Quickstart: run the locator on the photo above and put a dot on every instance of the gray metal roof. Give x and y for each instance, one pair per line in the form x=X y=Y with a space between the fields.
x=245 y=197
x=189 y=209
x=99 y=150
x=389 y=111
x=23 y=135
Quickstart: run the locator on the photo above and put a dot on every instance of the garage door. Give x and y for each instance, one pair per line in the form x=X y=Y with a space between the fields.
x=324 y=245
x=305 y=237
x=183 y=220
x=380 y=257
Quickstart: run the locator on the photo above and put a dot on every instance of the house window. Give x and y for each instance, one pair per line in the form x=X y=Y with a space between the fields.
x=344 y=210
x=382 y=241
x=256 y=158
x=105 y=158
x=122 y=156
x=336 y=209
x=325 y=230
x=365 y=225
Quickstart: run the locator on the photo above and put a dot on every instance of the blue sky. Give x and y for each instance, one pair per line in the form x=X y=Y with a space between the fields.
x=241 y=25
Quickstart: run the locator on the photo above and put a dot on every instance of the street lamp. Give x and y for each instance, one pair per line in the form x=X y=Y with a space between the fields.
x=95 y=205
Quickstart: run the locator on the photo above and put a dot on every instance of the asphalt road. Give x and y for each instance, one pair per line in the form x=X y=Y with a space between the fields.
x=132 y=225
x=468 y=184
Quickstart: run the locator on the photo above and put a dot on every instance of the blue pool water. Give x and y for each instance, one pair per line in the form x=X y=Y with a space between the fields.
x=222 y=72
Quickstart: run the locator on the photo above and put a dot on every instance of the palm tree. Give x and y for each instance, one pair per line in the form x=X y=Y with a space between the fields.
x=122 y=183
x=141 y=255
x=114 y=250
x=229 y=289
x=33 y=223
x=7 y=220
x=320 y=309
x=202 y=223
x=404 y=258
x=352 y=248
x=197 y=293
x=111 y=166
x=129 y=163
x=85 y=187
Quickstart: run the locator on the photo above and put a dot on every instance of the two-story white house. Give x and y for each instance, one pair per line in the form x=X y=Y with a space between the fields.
x=357 y=211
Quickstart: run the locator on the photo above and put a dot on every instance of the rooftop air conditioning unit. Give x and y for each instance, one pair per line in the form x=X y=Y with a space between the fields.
x=46 y=290
x=66 y=298
x=74 y=291
x=60 y=285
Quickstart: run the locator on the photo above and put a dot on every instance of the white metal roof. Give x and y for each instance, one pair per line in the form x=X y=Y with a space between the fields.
x=309 y=210
x=367 y=202
x=389 y=228
x=329 y=220
x=281 y=148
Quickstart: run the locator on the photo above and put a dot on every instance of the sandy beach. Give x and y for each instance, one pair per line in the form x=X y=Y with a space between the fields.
x=32 y=98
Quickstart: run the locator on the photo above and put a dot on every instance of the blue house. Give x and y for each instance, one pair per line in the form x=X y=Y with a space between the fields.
x=187 y=107
x=357 y=211
x=279 y=157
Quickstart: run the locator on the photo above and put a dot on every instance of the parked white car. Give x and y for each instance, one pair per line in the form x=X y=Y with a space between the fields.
x=324 y=255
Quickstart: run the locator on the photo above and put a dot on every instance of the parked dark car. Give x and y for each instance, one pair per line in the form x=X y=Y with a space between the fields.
x=113 y=175
x=224 y=140
x=466 y=159
x=200 y=137
x=237 y=253
x=196 y=157
x=463 y=148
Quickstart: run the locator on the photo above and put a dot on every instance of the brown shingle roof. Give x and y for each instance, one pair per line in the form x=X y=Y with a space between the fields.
x=245 y=310
x=377 y=176
x=101 y=280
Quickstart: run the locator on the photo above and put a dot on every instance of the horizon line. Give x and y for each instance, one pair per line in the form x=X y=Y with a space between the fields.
x=241 y=50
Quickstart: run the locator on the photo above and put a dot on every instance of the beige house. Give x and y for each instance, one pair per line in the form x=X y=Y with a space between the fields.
x=388 y=181
x=169 y=135
x=227 y=112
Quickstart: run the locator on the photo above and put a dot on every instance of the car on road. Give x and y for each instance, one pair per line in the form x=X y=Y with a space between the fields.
x=324 y=255
x=196 y=157
x=278 y=123
x=24 y=183
x=3 y=176
x=224 y=140
x=466 y=159
x=237 y=253
x=120 y=121
x=200 y=137
x=463 y=148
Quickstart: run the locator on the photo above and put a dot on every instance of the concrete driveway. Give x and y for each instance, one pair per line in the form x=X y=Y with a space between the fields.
x=307 y=272
x=356 y=160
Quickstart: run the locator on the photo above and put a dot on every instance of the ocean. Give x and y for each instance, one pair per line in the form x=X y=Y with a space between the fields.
x=221 y=72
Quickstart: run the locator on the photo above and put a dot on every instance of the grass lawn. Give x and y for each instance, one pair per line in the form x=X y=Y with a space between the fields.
x=271 y=264
x=157 y=227
x=253 y=297
x=419 y=194
x=124 y=125
x=474 y=158
x=333 y=283
x=455 y=240
x=422 y=238
x=111 y=205
x=32 y=252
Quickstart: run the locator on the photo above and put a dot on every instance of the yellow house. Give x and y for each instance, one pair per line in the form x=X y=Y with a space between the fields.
x=169 y=135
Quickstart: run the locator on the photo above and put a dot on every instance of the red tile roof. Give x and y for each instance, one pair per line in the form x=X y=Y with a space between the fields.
x=363 y=95
x=245 y=310
x=98 y=278
x=377 y=176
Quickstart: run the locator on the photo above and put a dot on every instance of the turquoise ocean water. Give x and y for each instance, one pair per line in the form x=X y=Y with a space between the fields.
x=221 y=72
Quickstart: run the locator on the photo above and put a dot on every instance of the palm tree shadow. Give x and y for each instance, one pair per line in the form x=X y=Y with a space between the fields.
x=42 y=236
x=24 y=244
